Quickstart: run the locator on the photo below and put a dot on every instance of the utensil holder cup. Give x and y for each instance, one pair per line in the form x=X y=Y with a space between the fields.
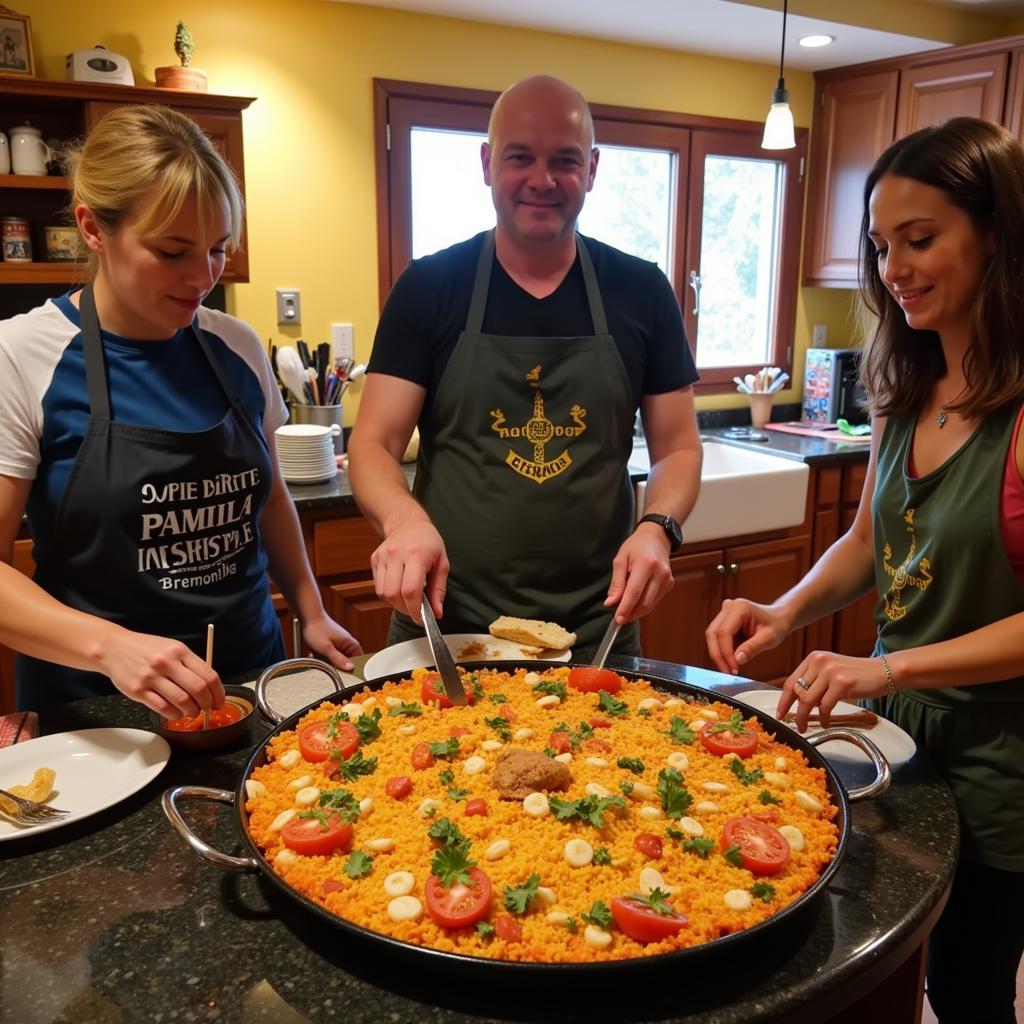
x=322 y=416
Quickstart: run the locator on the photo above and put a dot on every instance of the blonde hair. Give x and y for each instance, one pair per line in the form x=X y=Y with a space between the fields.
x=135 y=149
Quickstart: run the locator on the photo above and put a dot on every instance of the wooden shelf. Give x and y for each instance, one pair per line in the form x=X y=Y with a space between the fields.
x=42 y=273
x=56 y=181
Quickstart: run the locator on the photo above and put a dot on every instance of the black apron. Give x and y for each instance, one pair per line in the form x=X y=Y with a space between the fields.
x=158 y=531
x=522 y=469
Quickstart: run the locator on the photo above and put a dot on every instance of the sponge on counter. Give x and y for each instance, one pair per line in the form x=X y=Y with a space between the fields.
x=547 y=635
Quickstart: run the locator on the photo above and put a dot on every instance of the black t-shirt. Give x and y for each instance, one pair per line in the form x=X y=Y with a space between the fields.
x=426 y=312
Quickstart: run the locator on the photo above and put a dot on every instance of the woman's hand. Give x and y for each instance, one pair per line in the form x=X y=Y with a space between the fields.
x=823 y=679
x=763 y=627
x=325 y=637
x=163 y=674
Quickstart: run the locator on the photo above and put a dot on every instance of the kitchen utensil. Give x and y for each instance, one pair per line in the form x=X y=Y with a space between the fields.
x=323 y=416
x=741 y=385
x=209 y=662
x=601 y=654
x=777 y=383
x=859 y=719
x=28 y=812
x=410 y=654
x=745 y=943
x=443 y=660
x=293 y=373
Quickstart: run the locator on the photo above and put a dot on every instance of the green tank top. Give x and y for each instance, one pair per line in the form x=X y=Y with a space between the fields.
x=940 y=563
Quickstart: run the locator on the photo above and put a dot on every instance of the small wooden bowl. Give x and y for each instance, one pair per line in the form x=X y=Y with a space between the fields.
x=216 y=736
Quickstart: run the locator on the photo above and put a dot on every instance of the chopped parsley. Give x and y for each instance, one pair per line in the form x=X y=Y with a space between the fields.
x=320 y=816
x=351 y=768
x=340 y=802
x=608 y=704
x=600 y=915
x=451 y=864
x=590 y=808
x=734 y=725
x=631 y=764
x=680 y=732
x=675 y=797
x=497 y=698
x=733 y=856
x=332 y=723
x=458 y=794
x=516 y=899
x=484 y=929
x=602 y=856
x=763 y=891
x=736 y=766
x=368 y=726
x=766 y=797
x=501 y=726
x=405 y=709
x=572 y=924
x=656 y=900
x=478 y=690
x=447 y=833
x=445 y=748
x=550 y=752
x=644 y=712
x=627 y=788
x=700 y=846
x=358 y=865
x=550 y=686
x=674 y=833
x=447 y=777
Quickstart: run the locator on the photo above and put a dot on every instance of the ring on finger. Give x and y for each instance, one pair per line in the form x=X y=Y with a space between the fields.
x=802 y=684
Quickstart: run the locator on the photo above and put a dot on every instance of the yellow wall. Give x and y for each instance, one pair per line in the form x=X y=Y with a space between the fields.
x=309 y=160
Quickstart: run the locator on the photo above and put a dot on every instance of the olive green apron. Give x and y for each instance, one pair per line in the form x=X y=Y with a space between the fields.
x=522 y=468
x=941 y=571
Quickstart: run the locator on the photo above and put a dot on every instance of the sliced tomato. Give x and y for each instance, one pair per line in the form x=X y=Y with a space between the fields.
x=312 y=838
x=508 y=928
x=459 y=730
x=431 y=691
x=742 y=743
x=559 y=742
x=421 y=756
x=649 y=845
x=508 y=714
x=589 y=679
x=316 y=745
x=460 y=904
x=398 y=787
x=478 y=805
x=600 y=723
x=643 y=924
x=598 y=744
x=331 y=885
x=762 y=846
x=770 y=816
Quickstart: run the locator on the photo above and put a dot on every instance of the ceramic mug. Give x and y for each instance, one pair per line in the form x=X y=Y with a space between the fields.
x=5 y=155
x=29 y=154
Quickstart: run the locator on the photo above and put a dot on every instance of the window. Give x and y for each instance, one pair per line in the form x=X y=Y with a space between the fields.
x=697 y=196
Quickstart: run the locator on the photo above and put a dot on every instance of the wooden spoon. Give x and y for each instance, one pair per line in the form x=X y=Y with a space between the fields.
x=209 y=661
x=863 y=719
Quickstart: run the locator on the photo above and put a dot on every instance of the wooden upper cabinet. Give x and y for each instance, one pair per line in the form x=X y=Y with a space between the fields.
x=853 y=125
x=933 y=93
x=1015 y=96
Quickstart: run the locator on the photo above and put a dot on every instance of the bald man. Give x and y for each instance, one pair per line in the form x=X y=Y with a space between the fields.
x=523 y=355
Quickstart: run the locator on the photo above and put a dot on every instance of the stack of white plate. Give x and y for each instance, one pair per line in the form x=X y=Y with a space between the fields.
x=306 y=453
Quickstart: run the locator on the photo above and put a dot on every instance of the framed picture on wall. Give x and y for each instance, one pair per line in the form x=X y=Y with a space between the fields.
x=15 y=44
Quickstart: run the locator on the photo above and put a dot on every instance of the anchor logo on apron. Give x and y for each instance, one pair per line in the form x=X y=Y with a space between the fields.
x=538 y=431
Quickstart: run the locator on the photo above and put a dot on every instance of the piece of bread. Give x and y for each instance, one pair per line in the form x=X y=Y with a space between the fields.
x=533 y=632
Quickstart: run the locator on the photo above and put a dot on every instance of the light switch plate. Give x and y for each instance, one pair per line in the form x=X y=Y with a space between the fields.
x=343 y=338
x=819 y=336
x=288 y=309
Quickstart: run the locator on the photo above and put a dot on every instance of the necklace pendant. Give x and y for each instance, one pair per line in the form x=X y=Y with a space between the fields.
x=941 y=418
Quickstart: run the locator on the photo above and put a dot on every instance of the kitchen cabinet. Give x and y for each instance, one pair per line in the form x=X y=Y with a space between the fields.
x=861 y=109
x=674 y=631
x=69 y=110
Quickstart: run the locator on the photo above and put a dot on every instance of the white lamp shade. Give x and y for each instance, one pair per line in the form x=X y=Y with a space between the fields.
x=778 y=128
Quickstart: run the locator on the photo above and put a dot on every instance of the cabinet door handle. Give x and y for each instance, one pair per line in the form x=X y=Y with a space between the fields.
x=720 y=569
x=733 y=568
x=695 y=283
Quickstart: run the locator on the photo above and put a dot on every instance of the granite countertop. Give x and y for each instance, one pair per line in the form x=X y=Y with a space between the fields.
x=113 y=918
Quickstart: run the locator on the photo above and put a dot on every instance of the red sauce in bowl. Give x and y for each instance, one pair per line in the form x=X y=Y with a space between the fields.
x=225 y=715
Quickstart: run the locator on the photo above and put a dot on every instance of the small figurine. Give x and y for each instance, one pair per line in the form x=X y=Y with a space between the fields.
x=181 y=76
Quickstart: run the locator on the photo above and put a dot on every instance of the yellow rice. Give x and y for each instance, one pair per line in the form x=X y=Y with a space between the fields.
x=537 y=844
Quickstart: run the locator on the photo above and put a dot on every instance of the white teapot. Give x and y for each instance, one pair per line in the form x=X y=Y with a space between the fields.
x=29 y=154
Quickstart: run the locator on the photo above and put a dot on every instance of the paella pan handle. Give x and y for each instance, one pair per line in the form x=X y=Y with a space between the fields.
x=883 y=772
x=290 y=665
x=169 y=802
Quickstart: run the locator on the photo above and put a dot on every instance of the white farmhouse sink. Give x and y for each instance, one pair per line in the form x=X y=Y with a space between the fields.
x=741 y=492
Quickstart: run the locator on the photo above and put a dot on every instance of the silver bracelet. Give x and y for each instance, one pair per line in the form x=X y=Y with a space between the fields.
x=890 y=682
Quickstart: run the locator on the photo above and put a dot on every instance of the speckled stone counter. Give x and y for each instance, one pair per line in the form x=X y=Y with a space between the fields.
x=114 y=919
x=815 y=451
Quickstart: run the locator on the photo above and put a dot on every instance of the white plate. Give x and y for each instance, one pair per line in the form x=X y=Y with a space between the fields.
x=96 y=768
x=412 y=654
x=897 y=745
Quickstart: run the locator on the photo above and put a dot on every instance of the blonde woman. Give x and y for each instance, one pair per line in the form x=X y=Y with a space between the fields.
x=136 y=432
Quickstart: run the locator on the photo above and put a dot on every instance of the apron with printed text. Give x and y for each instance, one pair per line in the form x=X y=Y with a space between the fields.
x=158 y=531
x=522 y=468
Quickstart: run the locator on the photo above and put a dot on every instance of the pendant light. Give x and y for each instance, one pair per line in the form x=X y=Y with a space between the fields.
x=778 y=127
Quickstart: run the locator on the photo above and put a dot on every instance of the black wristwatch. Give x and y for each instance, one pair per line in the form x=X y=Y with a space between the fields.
x=672 y=529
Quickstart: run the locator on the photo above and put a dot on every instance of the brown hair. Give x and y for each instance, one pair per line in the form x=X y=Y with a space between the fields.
x=135 y=148
x=979 y=166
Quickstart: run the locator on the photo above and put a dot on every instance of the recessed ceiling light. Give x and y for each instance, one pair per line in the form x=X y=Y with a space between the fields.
x=812 y=41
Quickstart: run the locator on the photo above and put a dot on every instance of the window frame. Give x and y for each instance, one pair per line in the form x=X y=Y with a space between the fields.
x=399 y=105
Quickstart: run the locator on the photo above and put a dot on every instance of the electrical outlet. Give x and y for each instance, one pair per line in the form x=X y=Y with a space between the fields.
x=819 y=337
x=344 y=342
x=288 y=309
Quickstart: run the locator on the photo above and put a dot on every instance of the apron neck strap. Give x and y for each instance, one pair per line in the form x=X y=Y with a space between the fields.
x=95 y=366
x=482 y=283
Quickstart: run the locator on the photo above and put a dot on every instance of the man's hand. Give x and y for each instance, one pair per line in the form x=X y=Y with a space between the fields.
x=641 y=576
x=411 y=558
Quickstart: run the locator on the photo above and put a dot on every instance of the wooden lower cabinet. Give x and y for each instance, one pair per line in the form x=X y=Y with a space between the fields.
x=357 y=607
x=674 y=631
